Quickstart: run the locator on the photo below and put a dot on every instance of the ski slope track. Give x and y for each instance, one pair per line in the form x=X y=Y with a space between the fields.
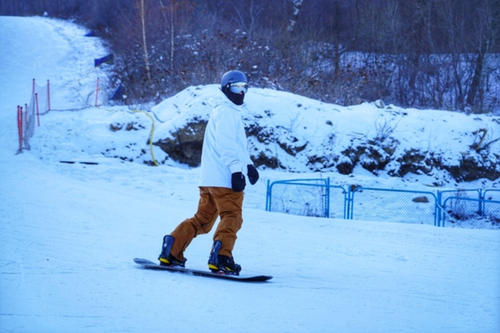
x=68 y=233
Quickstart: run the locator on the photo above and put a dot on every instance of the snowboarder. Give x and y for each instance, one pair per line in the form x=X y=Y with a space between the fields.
x=224 y=161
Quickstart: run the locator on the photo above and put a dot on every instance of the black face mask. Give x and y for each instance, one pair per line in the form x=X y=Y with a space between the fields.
x=235 y=98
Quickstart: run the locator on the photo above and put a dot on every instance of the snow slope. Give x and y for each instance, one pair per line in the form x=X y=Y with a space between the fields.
x=68 y=233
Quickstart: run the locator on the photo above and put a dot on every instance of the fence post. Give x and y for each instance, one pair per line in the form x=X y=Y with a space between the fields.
x=268 y=196
x=97 y=89
x=343 y=192
x=347 y=204
x=351 y=202
x=20 y=127
x=25 y=120
x=437 y=210
x=441 y=209
x=327 y=206
x=347 y=200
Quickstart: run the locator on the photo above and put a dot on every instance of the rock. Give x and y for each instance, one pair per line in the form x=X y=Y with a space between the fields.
x=186 y=144
x=475 y=166
x=345 y=167
x=422 y=199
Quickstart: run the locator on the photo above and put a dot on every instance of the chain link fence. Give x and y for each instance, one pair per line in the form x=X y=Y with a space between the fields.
x=491 y=204
x=393 y=205
x=308 y=197
x=317 y=197
x=464 y=205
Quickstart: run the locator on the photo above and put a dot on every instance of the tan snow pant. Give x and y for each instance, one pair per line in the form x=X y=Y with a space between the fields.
x=214 y=202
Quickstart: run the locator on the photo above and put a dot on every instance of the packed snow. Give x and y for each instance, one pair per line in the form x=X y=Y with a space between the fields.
x=68 y=232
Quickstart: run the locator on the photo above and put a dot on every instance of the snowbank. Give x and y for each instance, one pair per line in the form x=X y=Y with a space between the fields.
x=298 y=134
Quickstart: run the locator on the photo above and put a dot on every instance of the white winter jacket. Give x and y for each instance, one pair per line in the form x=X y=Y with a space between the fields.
x=224 y=146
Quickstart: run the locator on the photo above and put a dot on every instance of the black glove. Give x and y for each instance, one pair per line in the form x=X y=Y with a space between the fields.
x=238 y=182
x=253 y=174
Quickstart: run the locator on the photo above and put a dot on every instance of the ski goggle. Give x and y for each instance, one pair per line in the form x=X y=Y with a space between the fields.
x=238 y=87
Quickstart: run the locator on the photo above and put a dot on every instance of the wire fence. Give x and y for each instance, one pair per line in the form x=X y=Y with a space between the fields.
x=307 y=197
x=318 y=197
x=490 y=205
x=28 y=116
x=393 y=205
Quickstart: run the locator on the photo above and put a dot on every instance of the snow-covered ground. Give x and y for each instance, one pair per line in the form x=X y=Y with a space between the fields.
x=68 y=232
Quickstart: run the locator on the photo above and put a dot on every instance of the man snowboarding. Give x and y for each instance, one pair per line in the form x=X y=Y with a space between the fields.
x=224 y=163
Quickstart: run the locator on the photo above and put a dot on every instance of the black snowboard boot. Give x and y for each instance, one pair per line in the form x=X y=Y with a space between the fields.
x=222 y=264
x=165 y=258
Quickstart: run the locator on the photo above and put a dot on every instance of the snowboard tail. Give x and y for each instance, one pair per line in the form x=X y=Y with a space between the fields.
x=148 y=264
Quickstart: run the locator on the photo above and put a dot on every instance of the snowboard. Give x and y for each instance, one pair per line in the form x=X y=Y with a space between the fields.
x=148 y=264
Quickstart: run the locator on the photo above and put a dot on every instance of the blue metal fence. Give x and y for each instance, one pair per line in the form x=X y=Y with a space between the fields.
x=403 y=207
x=480 y=201
x=318 y=197
x=459 y=203
x=490 y=199
x=339 y=197
x=300 y=199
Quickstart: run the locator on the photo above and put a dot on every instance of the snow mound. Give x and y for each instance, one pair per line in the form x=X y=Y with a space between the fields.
x=298 y=134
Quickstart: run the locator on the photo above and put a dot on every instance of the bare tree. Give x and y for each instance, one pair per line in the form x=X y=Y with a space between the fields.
x=171 y=10
x=144 y=43
x=484 y=31
x=247 y=16
x=297 y=4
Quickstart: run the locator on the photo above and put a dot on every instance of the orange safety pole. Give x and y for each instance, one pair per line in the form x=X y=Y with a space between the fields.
x=26 y=116
x=20 y=127
x=97 y=89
